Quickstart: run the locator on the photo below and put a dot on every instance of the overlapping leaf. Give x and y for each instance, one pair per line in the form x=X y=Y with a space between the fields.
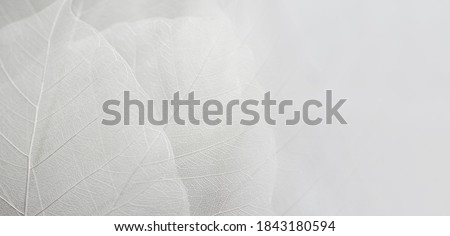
x=56 y=157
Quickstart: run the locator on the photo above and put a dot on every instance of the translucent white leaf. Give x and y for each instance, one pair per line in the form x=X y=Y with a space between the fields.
x=56 y=157
x=227 y=169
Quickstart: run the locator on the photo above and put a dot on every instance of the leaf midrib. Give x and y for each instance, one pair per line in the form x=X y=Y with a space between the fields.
x=27 y=183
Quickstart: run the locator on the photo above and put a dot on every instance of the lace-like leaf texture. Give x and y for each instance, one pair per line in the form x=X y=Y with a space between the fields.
x=59 y=160
x=227 y=169
x=56 y=158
